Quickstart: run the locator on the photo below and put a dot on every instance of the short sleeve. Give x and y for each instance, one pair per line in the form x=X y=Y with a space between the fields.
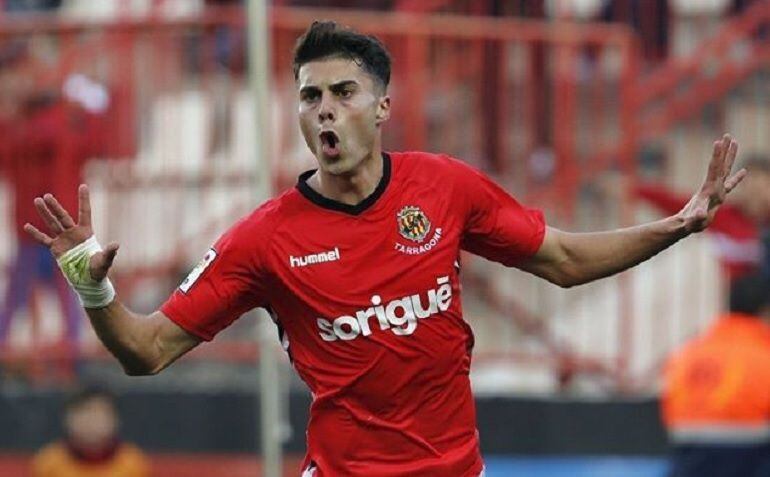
x=497 y=226
x=230 y=280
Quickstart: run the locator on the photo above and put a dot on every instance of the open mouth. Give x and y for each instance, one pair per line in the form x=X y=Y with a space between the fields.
x=330 y=143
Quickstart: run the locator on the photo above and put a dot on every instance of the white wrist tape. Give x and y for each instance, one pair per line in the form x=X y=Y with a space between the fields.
x=74 y=263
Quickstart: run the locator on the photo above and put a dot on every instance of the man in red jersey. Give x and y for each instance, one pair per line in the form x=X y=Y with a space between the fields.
x=359 y=266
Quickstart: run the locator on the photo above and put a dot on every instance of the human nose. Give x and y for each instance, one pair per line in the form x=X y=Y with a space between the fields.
x=326 y=109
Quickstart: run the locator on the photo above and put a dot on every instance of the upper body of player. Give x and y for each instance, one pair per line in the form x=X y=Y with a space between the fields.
x=716 y=398
x=359 y=266
x=91 y=447
x=737 y=228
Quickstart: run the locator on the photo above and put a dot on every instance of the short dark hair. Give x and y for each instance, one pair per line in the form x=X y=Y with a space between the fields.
x=326 y=39
x=83 y=395
x=749 y=294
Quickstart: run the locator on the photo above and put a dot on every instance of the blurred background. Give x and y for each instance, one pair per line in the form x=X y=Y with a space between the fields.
x=600 y=112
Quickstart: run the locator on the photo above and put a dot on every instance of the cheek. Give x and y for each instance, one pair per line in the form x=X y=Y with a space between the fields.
x=305 y=126
x=303 y=118
x=364 y=124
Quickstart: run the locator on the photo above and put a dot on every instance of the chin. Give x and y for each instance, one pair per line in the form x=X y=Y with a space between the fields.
x=337 y=166
x=338 y=169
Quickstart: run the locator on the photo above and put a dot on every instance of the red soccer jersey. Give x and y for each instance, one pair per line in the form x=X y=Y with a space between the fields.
x=367 y=298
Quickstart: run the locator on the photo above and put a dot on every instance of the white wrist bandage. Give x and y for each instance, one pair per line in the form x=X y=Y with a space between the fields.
x=74 y=264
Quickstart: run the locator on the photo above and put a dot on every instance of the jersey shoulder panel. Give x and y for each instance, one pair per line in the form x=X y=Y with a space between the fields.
x=261 y=219
x=259 y=226
x=432 y=165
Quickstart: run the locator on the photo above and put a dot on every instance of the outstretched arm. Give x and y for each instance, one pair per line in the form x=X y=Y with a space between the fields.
x=143 y=344
x=569 y=259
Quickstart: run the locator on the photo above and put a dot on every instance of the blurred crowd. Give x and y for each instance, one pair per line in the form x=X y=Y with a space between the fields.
x=650 y=18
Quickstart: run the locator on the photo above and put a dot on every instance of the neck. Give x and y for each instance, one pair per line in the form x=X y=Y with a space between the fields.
x=96 y=454
x=353 y=187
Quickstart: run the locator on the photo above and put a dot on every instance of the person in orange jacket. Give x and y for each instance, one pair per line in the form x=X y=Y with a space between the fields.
x=716 y=397
x=92 y=447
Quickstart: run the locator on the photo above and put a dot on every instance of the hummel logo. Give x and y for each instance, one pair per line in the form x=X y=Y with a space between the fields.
x=330 y=256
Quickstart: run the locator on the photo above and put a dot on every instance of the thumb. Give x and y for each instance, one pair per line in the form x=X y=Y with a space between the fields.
x=110 y=252
x=102 y=261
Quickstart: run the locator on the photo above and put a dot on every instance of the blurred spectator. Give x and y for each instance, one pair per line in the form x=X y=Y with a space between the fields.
x=738 y=226
x=47 y=137
x=223 y=3
x=38 y=157
x=91 y=446
x=716 y=400
x=229 y=42
x=357 y=4
x=765 y=269
x=30 y=6
x=649 y=18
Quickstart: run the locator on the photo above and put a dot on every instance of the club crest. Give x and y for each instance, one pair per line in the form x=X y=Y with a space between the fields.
x=412 y=223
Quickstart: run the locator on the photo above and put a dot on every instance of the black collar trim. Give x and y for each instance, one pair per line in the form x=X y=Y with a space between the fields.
x=316 y=198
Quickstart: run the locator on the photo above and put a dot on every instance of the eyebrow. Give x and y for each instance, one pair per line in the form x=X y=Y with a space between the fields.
x=343 y=85
x=308 y=89
x=334 y=87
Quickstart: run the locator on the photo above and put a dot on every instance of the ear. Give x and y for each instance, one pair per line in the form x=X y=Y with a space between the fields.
x=383 y=109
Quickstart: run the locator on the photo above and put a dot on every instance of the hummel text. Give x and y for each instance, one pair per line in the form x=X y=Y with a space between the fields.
x=313 y=258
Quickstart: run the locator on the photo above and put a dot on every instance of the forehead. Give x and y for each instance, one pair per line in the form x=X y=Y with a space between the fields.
x=91 y=404
x=324 y=72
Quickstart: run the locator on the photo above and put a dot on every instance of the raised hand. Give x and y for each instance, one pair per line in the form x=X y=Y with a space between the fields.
x=700 y=210
x=65 y=234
